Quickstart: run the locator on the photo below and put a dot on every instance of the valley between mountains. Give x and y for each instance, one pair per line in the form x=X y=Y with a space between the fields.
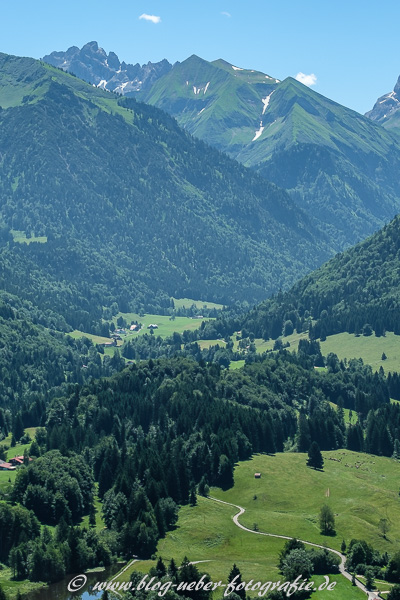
x=199 y=310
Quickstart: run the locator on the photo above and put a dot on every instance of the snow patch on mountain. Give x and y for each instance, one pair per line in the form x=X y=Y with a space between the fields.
x=258 y=132
x=266 y=101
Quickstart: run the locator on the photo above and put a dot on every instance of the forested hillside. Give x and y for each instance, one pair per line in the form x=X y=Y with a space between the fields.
x=36 y=363
x=154 y=433
x=120 y=205
x=357 y=291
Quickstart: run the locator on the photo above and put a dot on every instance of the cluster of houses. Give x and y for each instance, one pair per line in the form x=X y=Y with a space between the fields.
x=15 y=462
x=116 y=336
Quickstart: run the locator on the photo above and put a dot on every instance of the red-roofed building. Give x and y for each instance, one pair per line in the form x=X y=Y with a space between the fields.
x=5 y=466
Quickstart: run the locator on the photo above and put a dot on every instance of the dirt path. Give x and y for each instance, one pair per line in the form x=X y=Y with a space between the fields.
x=371 y=595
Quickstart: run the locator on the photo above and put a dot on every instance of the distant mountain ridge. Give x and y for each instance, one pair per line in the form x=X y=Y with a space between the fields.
x=339 y=166
x=129 y=208
x=94 y=65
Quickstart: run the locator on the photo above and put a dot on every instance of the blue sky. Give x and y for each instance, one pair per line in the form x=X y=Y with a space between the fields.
x=350 y=46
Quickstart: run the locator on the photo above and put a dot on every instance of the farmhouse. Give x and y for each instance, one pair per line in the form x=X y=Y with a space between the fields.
x=257 y=475
x=5 y=466
x=152 y=326
x=17 y=461
x=109 y=344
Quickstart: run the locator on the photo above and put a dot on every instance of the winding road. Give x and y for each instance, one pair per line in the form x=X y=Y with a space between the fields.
x=371 y=595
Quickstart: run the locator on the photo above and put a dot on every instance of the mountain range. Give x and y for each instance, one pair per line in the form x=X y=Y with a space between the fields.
x=123 y=207
x=337 y=165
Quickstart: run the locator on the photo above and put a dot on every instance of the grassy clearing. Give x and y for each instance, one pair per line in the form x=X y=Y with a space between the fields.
x=346 y=412
x=369 y=348
x=347 y=345
x=12 y=588
x=262 y=345
x=206 y=344
x=20 y=237
x=236 y=364
x=206 y=532
x=361 y=489
x=166 y=325
x=7 y=478
x=96 y=339
x=99 y=519
x=187 y=303
x=18 y=449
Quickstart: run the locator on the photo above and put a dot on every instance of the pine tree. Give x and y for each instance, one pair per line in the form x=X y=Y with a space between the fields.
x=303 y=438
x=193 y=499
x=236 y=576
x=315 y=459
x=172 y=570
x=160 y=568
x=396 y=450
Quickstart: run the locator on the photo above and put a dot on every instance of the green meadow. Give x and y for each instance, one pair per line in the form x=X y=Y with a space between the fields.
x=369 y=348
x=207 y=533
x=199 y=304
x=21 y=237
x=96 y=339
x=345 y=345
x=361 y=489
x=166 y=325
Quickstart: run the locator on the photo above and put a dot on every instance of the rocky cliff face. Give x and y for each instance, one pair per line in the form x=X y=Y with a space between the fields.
x=94 y=65
x=386 y=107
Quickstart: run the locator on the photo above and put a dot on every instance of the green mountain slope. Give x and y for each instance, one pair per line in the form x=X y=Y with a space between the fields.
x=356 y=288
x=214 y=101
x=338 y=165
x=132 y=209
x=38 y=363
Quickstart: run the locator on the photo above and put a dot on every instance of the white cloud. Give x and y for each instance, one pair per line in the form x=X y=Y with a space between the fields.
x=226 y=14
x=306 y=79
x=151 y=18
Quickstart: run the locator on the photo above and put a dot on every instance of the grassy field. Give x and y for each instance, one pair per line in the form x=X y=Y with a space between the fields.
x=12 y=588
x=99 y=519
x=187 y=303
x=20 y=237
x=346 y=412
x=96 y=339
x=236 y=364
x=347 y=345
x=360 y=488
x=369 y=348
x=18 y=449
x=206 y=532
x=166 y=325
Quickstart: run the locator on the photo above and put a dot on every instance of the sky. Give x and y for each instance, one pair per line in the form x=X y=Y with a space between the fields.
x=345 y=50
